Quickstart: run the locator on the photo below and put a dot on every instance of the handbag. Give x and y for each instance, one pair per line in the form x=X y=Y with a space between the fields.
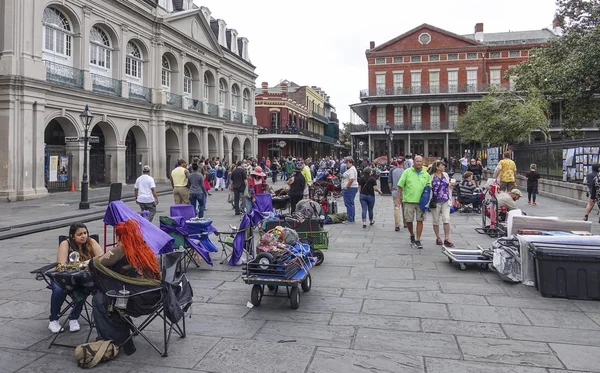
x=88 y=355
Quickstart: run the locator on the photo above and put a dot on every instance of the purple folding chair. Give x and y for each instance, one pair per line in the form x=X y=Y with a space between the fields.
x=185 y=211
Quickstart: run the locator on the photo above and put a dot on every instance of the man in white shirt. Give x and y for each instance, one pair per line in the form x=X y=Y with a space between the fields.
x=349 y=188
x=145 y=193
x=464 y=163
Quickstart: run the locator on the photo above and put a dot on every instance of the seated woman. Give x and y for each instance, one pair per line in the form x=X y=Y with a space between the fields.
x=468 y=189
x=79 y=241
x=131 y=257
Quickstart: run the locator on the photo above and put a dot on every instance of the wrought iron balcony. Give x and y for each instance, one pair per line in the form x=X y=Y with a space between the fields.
x=138 y=92
x=319 y=117
x=328 y=139
x=423 y=126
x=104 y=84
x=173 y=99
x=63 y=74
x=248 y=119
x=237 y=117
x=433 y=89
x=290 y=131
x=226 y=114
x=213 y=110
x=195 y=105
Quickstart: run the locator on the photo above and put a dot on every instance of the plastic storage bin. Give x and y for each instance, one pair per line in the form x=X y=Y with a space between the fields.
x=567 y=272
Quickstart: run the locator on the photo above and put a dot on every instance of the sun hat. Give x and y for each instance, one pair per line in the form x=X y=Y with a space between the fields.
x=257 y=171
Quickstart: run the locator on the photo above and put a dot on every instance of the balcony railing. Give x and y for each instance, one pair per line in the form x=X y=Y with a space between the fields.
x=213 y=110
x=173 y=99
x=320 y=117
x=327 y=139
x=248 y=119
x=63 y=74
x=195 y=105
x=423 y=126
x=432 y=90
x=289 y=131
x=138 y=92
x=104 y=84
x=237 y=117
x=227 y=114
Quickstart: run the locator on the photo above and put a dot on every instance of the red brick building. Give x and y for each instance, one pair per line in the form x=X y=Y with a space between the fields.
x=422 y=80
x=287 y=126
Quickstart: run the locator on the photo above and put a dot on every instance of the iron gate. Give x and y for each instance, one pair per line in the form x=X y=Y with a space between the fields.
x=133 y=167
x=99 y=169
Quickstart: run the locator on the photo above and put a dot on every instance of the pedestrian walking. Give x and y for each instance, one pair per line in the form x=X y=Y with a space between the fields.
x=394 y=177
x=179 y=181
x=349 y=188
x=297 y=184
x=533 y=179
x=238 y=183
x=220 y=177
x=367 y=188
x=441 y=197
x=145 y=193
x=411 y=185
x=507 y=170
x=198 y=193
x=589 y=181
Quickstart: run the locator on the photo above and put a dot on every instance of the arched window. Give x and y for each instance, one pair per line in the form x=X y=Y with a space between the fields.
x=206 y=87
x=166 y=73
x=187 y=81
x=246 y=101
x=222 y=92
x=99 y=48
x=235 y=96
x=57 y=32
x=133 y=61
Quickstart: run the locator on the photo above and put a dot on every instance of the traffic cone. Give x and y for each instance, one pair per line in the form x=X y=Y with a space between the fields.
x=72 y=186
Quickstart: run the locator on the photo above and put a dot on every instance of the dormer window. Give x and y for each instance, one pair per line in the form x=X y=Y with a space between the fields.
x=245 y=49
x=234 y=43
x=222 y=33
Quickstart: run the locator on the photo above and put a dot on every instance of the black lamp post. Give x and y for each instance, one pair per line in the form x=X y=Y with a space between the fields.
x=86 y=118
x=390 y=137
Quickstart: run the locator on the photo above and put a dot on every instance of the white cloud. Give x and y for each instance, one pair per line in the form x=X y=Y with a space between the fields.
x=323 y=42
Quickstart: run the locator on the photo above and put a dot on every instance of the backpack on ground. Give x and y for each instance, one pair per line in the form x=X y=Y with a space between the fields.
x=88 y=355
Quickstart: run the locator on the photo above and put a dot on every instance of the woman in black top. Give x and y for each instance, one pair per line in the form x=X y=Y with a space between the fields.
x=367 y=186
x=477 y=170
x=533 y=178
x=297 y=184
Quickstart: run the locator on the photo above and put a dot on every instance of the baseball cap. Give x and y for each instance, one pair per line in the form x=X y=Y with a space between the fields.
x=517 y=192
x=146 y=168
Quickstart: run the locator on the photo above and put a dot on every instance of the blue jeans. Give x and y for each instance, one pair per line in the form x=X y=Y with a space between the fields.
x=249 y=205
x=198 y=199
x=367 y=203
x=463 y=168
x=57 y=300
x=349 y=195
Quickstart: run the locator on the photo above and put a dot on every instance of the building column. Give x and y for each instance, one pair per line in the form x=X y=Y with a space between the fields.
x=204 y=132
x=117 y=162
x=162 y=151
x=220 y=145
x=425 y=147
x=217 y=83
x=201 y=97
x=446 y=146
x=185 y=152
x=408 y=151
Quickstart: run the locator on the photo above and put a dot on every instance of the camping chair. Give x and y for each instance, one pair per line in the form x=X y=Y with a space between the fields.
x=168 y=299
x=185 y=211
x=40 y=275
x=238 y=241
x=176 y=228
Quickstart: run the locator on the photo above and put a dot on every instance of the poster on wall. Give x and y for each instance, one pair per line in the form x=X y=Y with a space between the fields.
x=492 y=159
x=53 y=168
x=63 y=168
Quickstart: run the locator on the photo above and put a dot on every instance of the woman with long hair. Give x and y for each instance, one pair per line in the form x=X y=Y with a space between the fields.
x=440 y=189
x=367 y=186
x=79 y=241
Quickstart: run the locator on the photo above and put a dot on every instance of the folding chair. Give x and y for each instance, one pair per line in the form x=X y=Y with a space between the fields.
x=237 y=242
x=41 y=275
x=176 y=228
x=185 y=211
x=168 y=299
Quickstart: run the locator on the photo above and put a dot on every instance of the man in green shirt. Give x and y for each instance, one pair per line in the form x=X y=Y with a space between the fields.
x=410 y=188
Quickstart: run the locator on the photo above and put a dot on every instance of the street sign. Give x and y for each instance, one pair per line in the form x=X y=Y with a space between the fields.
x=92 y=139
x=361 y=143
x=282 y=144
x=71 y=139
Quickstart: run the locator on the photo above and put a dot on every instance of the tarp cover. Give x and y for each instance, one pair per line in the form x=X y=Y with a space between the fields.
x=159 y=241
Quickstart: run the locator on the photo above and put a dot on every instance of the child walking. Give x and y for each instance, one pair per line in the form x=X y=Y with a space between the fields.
x=533 y=178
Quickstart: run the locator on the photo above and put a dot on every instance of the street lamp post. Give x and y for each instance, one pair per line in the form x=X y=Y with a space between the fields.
x=86 y=118
x=390 y=137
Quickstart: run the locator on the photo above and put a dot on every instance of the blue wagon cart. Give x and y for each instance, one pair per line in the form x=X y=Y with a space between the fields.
x=293 y=274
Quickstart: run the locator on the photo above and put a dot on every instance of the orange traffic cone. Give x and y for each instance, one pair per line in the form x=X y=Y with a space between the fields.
x=72 y=186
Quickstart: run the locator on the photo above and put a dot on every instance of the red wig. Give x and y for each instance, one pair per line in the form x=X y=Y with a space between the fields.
x=139 y=255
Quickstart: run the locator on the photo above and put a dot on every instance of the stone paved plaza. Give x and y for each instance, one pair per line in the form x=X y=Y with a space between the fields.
x=376 y=306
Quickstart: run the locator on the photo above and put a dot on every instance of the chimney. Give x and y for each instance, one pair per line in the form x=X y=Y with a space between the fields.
x=478 y=32
x=265 y=88
x=556 y=27
x=371 y=44
x=284 y=88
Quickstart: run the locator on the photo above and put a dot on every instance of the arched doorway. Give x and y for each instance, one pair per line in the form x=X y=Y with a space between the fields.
x=226 y=151
x=247 y=148
x=58 y=161
x=136 y=146
x=194 y=149
x=173 y=150
x=99 y=161
x=236 y=147
x=212 y=146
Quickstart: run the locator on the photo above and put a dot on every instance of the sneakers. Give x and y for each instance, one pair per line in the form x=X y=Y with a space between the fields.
x=55 y=327
x=439 y=242
x=397 y=229
x=412 y=240
x=74 y=325
x=535 y=204
x=585 y=218
x=529 y=202
x=418 y=245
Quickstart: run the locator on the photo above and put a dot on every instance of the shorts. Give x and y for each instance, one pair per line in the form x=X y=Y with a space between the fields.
x=441 y=212
x=507 y=186
x=411 y=210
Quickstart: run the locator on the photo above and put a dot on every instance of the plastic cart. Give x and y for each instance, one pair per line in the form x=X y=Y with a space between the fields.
x=319 y=240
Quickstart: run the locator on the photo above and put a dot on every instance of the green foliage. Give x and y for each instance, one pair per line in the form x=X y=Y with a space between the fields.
x=503 y=117
x=346 y=133
x=569 y=68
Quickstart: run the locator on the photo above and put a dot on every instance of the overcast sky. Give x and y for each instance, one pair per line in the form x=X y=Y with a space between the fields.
x=323 y=42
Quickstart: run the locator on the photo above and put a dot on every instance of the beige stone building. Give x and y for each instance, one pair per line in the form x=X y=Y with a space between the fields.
x=163 y=78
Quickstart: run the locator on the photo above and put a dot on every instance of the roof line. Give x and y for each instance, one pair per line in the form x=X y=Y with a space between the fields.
x=424 y=25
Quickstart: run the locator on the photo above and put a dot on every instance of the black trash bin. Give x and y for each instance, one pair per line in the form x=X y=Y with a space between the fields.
x=383 y=183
